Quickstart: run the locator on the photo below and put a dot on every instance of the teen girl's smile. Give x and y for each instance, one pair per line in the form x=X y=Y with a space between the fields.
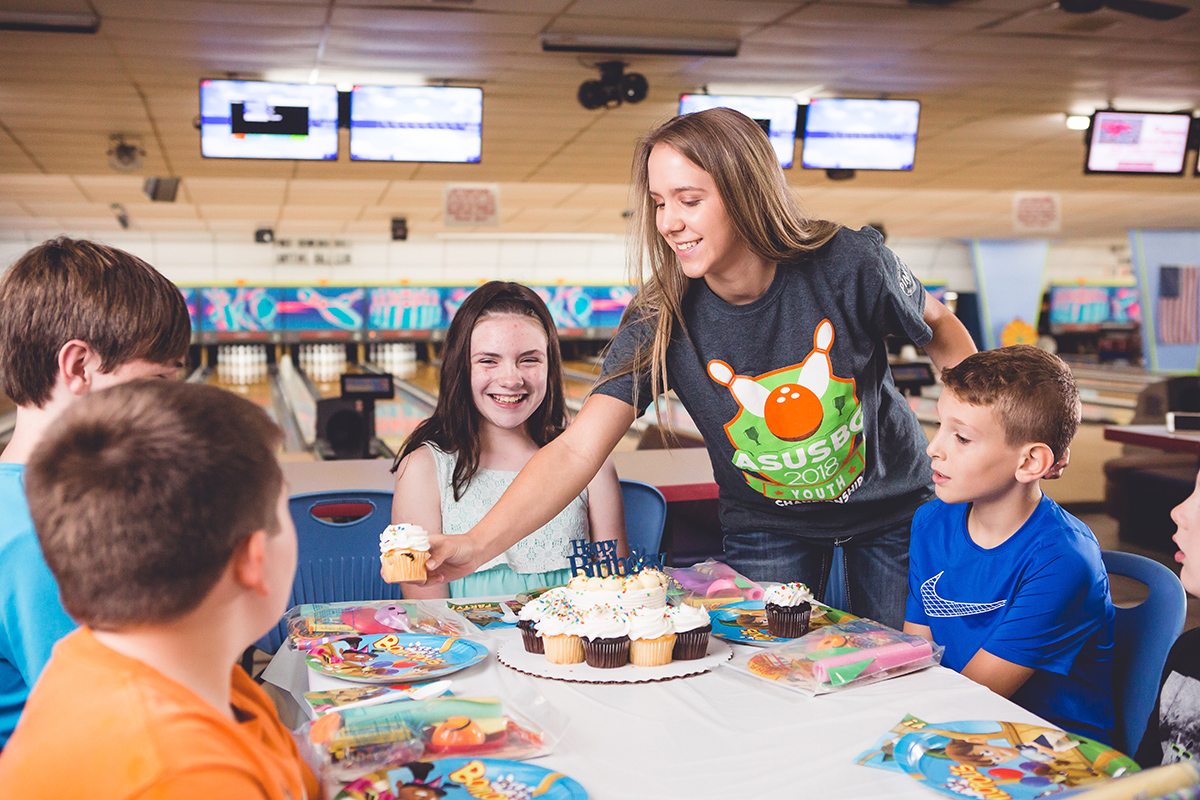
x=508 y=368
x=692 y=219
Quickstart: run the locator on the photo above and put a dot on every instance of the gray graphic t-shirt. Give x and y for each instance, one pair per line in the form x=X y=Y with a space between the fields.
x=792 y=392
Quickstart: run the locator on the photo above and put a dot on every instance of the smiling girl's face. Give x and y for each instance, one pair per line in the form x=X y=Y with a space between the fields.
x=508 y=368
x=691 y=217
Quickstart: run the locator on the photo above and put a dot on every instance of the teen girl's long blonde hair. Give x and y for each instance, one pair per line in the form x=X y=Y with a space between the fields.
x=733 y=149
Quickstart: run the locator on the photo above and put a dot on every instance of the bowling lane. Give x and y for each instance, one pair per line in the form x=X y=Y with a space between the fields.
x=416 y=393
x=423 y=376
x=258 y=391
x=578 y=379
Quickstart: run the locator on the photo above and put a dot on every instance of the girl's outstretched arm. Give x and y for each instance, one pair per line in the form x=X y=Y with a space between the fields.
x=417 y=501
x=950 y=343
x=606 y=510
x=550 y=480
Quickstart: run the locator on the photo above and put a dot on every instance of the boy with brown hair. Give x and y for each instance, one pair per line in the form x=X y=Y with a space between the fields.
x=75 y=317
x=999 y=574
x=163 y=514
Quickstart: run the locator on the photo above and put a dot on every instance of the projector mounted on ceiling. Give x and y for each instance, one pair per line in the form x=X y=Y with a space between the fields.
x=615 y=86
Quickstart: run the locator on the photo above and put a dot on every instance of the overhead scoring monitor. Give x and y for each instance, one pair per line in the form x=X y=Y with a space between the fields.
x=776 y=116
x=416 y=123
x=260 y=119
x=1137 y=143
x=860 y=134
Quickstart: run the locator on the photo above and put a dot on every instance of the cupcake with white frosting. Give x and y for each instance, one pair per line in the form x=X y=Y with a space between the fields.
x=403 y=551
x=651 y=637
x=605 y=635
x=527 y=618
x=789 y=608
x=559 y=628
x=692 y=626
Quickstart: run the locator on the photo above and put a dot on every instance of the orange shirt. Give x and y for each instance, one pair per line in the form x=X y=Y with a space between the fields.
x=104 y=726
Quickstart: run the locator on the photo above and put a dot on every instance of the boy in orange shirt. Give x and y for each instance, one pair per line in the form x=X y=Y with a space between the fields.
x=163 y=515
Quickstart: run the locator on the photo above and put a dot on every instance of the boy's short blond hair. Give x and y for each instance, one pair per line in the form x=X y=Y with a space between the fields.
x=142 y=492
x=1032 y=392
x=66 y=289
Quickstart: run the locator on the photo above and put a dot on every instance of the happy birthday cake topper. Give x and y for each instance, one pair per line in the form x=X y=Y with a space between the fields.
x=599 y=559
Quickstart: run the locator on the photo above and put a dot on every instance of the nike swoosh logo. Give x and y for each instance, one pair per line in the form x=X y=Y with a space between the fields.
x=939 y=607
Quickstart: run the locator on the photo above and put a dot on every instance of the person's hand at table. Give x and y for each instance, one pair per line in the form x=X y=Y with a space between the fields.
x=450 y=558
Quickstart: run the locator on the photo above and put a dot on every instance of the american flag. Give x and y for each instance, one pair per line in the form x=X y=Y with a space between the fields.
x=1178 y=305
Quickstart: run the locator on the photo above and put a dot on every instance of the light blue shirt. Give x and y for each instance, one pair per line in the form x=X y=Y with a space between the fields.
x=32 y=618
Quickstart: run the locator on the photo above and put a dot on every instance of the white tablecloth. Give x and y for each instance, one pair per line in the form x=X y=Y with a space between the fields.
x=717 y=735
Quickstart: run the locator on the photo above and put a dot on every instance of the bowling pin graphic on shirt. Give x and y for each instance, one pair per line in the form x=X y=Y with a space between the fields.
x=798 y=430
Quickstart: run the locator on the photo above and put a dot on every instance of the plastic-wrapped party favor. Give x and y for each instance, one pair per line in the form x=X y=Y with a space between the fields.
x=851 y=653
x=711 y=583
x=347 y=743
x=315 y=624
x=341 y=749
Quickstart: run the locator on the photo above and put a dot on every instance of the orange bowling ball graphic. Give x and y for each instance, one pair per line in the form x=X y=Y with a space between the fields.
x=793 y=412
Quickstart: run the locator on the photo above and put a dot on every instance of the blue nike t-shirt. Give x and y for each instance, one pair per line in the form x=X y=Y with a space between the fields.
x=1039 y=600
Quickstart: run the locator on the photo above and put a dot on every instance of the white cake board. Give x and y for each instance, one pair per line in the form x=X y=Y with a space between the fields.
x=512 y=654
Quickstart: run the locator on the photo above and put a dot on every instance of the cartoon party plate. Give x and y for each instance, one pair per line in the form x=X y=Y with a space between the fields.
x=746 y=622
x=394 y=657
x=989 y=758
x=462 y=779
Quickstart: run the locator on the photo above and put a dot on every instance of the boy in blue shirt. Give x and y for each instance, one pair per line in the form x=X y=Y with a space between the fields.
x=1010 y=584
x=75 y=317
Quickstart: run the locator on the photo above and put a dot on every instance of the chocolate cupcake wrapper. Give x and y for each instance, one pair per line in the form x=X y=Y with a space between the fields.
x=692 y=644
x=533 y=642
x=788 y=622
x=606 y=653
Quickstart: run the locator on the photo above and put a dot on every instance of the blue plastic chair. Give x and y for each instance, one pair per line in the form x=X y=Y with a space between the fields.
x=645 y=516
x=1142 y=637
x=337 y=561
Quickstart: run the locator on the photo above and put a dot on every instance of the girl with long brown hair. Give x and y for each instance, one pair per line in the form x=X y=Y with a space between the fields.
x=770 y=328
x=500 y=402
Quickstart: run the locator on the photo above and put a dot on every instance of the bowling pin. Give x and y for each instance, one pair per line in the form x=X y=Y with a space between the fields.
x=814 y=375
x=749 y=395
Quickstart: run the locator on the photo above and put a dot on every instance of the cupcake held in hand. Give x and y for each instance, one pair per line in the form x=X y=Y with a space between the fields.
x=404 y=549
x=789 y=607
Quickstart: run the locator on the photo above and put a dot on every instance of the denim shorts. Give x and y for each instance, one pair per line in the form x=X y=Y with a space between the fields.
x=874 y=566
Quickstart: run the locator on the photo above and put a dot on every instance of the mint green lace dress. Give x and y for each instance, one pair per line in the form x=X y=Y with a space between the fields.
x=540 y=559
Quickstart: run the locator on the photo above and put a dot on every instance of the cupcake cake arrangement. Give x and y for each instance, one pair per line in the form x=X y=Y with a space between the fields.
x=613 y=622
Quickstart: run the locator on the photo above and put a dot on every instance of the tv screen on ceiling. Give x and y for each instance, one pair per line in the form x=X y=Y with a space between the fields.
x=776 y=116
x=860 y=134
x=1137 y=143
x=416 y=123
x=259 y=119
